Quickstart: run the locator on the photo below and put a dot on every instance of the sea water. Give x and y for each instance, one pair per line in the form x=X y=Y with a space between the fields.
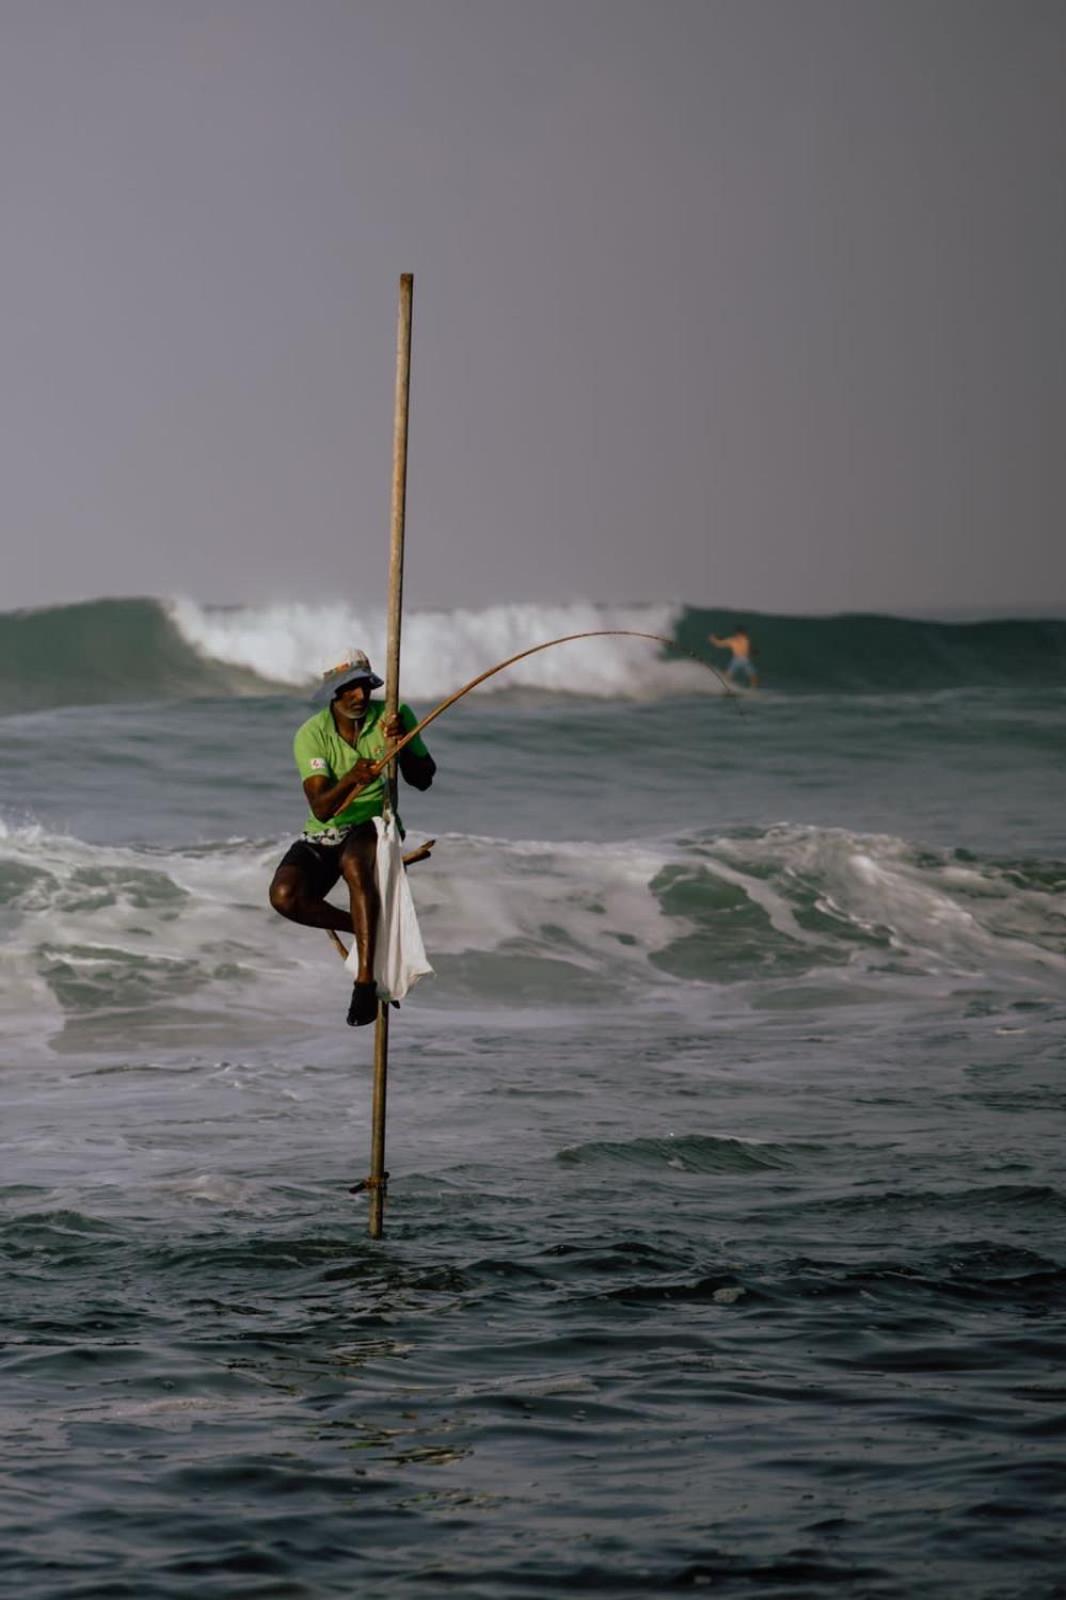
x=725 y=1239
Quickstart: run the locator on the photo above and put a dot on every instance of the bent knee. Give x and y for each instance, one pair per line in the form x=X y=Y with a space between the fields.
x=285 y=898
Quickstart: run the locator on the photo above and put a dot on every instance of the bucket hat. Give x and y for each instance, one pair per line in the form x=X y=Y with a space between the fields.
x=354 y=665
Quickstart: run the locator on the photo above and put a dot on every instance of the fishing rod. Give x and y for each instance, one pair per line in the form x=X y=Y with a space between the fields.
x=567 y=638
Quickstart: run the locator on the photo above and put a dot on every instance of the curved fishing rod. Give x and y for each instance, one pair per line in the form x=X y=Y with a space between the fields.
x=567 y=638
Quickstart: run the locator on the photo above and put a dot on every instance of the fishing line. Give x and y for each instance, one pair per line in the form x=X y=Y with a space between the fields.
x=567 y=638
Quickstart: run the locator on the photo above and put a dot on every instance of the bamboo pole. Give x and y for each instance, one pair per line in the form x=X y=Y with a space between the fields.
x=378 y=1176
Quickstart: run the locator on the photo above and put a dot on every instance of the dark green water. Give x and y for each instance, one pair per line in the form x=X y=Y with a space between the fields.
x=724 y=1248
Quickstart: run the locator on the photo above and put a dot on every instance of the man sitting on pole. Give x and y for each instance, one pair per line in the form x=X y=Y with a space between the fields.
x=337 y=751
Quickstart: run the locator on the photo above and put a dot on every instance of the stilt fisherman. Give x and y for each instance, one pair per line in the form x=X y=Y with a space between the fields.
x=336 y=751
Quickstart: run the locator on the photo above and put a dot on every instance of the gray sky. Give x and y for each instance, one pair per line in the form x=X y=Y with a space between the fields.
x=749 y=302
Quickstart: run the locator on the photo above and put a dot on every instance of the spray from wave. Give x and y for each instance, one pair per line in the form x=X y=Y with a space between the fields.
x=142 y=650
x=293 y=643
x=117 y=936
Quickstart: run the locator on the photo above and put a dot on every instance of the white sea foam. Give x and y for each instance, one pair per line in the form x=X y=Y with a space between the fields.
x=186 y=937
x=972 y=920
x=96 y=930
x=293 y=643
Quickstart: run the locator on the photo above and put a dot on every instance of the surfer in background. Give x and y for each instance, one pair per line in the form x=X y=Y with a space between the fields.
x=741 y=669
x=335 y=752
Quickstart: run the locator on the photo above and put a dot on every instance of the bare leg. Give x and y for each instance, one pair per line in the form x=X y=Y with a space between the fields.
x=290 y=897
x=357 y=868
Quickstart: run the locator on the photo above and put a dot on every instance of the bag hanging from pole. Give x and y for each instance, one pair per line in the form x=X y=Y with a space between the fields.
x=399 y=954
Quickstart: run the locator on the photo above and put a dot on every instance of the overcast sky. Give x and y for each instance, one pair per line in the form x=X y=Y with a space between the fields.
x=744 y=302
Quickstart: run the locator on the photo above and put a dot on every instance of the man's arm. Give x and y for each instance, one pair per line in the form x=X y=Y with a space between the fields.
x=417 y=766
x=326 y=798
x=418 y=771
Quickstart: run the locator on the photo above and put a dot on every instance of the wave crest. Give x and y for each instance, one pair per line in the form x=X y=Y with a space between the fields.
x=293 y=643
x=143 y=649
x=793 y=915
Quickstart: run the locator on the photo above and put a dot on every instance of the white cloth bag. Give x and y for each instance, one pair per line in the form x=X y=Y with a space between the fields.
x=399 y=954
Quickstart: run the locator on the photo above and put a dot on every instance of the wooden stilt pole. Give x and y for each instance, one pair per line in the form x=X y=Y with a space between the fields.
x=378 y=1175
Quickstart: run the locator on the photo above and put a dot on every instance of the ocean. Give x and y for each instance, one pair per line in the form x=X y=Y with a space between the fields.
x=725 y=1247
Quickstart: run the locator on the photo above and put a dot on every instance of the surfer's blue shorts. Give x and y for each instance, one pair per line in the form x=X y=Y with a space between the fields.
x=740 y=670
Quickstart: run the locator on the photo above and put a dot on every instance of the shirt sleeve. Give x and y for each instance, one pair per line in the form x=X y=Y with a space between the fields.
x=417 y=746
x=309 y=750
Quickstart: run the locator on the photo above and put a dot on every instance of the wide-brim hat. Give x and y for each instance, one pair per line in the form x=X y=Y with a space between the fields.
x=354 y=668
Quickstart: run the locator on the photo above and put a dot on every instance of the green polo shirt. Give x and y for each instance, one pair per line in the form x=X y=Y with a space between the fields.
x=321 y=753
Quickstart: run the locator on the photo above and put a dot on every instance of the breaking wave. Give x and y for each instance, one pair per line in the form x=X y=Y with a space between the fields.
x=153 y=939
x=142 y=650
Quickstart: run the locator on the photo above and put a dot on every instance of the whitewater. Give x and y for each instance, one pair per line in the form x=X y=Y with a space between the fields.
x=724 y=1244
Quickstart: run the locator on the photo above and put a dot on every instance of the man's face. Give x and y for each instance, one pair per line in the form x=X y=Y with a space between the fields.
x=351 y=701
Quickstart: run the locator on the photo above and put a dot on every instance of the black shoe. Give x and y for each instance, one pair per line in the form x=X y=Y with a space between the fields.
x=364 y=1006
